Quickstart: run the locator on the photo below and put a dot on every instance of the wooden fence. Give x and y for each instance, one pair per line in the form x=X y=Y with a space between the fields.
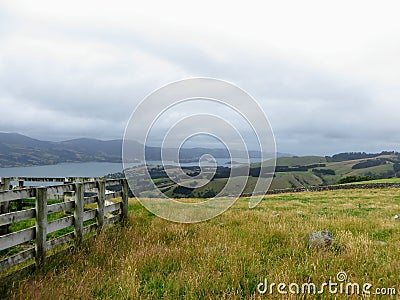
x=86 y=207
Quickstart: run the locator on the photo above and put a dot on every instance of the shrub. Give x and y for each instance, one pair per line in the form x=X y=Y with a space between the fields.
x=319 y=172
x=349 y=179
x=368 y=164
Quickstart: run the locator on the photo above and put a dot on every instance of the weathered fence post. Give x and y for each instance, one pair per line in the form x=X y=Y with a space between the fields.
x=4 y=184
x=4 y=207
x=78 y=213
x=125 y=195
x=68 y=196
x=41 y=227
x=101 y=193
x=19 y=201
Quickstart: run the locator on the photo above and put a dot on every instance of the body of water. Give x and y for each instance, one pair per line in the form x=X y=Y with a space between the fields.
x=88 y=169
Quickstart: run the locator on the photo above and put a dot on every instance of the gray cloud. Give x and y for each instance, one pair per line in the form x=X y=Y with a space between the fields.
x=63 y=80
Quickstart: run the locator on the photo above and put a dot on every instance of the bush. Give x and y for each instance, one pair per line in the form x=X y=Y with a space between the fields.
x=350 y=156
x=209 y=194
x=349 y=179
x=368 y=164
x=320 y=172
x=182 y=190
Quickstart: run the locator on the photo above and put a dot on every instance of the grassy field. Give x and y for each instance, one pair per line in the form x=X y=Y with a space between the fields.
x=384 y=180
x=227 y=257
x=318 y=172
x=300 y=160
x=342 y=169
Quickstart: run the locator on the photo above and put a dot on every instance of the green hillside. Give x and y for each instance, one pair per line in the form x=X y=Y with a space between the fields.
x=295 y=172
x=290 y=172
x=295 y=180
x=300 y=160
x=341 y=169
x=384 y=180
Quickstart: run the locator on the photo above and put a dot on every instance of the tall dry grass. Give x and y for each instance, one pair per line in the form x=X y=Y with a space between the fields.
x=227 y=257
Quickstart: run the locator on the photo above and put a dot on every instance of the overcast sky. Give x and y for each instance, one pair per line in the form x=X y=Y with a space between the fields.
x=327 y=74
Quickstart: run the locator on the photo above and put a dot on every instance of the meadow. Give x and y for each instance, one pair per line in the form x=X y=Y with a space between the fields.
x=229 y=256
x=290 y=172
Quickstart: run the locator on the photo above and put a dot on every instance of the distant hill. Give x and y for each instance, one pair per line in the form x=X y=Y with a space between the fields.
x=356 y=155
x=295 y=172
x=19 y=150
x=303 y=171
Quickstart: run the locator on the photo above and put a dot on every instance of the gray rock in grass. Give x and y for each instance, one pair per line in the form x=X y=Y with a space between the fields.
x=380 y=243
x=320 y=239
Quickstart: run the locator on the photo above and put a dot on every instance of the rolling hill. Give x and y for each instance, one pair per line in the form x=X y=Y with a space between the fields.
x=17 y=150
x=333 y=171
x=295 y=172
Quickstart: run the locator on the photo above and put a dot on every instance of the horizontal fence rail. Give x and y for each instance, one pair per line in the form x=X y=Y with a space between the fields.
x=46 y=217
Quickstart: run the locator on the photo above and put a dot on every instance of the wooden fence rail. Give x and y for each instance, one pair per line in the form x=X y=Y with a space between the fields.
x=76 y=209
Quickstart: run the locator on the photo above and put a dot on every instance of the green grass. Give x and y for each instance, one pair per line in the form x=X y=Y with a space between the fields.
x=300 y=160
x=342 y=169
x=293 y=180
x=286 y=180
x=31 y=222
x=377 y=170
x=385 y=180
x=282 y=180
x=226 y=257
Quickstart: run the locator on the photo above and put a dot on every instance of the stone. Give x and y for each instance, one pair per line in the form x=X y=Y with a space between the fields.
x=320 y=239
x=380 y=243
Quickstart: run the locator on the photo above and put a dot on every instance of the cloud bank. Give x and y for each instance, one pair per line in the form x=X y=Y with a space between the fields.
x=328 y=77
